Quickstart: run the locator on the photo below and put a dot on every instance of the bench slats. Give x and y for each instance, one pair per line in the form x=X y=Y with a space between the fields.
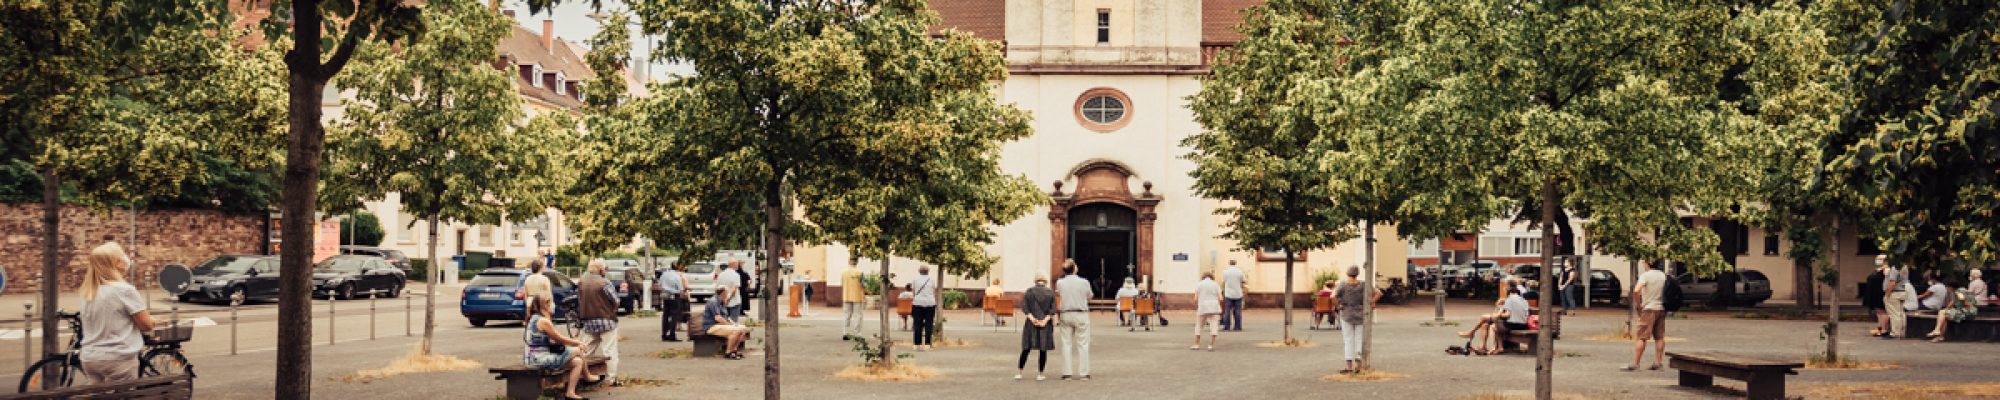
x=1735 y=360
x=158 y=387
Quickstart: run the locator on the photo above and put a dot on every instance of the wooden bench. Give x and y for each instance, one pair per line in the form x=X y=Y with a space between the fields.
x=706 y=345
x=1143 y=309
x=1981 y=328
x=1321 y=306
x=1525 y=340
x=176 y=386
x=903 y=308
x=1765 y=378
x=1003 y=309
x=527 y=383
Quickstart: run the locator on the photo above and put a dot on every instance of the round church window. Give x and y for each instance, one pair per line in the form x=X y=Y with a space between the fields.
x=1103 y=109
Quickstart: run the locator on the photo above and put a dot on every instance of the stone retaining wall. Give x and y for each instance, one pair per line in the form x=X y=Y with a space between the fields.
x=165 y=237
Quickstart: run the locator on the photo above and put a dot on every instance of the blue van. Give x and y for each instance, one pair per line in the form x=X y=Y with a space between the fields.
x=496 y=295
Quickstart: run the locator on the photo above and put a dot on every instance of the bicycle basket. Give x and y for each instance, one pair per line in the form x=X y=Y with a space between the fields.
x=172 y=334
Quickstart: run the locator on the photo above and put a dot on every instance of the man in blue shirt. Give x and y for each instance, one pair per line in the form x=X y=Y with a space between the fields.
x=715 y=315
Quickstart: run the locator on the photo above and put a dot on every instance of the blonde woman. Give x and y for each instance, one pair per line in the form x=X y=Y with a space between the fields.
x=114 y=318
x=547 y=348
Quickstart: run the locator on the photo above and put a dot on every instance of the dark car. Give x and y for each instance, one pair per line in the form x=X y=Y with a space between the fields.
x=1605 y=287
x=347 y=277
x=1752 y=287
x=497 y=295
x=624 y=280
x=1481 y=279
x=395 y=257
x=233 y=279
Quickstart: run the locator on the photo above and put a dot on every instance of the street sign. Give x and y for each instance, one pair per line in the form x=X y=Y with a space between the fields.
x=174 y=278
x=1180 y=257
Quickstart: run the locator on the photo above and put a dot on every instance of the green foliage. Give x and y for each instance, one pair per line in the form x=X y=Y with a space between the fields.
x=420 y=269
x=568 y=255
x=952 y=299
x=872 y=283
x=366 y=228
x=871 y=354
x=1322 y=277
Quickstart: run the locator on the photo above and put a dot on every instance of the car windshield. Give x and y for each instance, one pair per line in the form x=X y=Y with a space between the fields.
x=701 y=269
x=494 y=280
x=343 y=264
x=1754 y=276
x=616 y=274
x=226 y=264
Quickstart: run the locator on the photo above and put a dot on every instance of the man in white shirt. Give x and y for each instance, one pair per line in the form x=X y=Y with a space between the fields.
x=1894 y=280
x=1650 y=290
x=1073 y=316
x=1129 y=291
x=728 y=279
x=923 y=308
x=1207 y=306
x=1232 y=297
x=536 y=285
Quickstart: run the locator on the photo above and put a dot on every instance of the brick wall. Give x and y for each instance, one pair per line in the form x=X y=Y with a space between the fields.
x=165 y=237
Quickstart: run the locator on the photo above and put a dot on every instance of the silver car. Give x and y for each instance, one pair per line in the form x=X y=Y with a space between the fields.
x=701 y=279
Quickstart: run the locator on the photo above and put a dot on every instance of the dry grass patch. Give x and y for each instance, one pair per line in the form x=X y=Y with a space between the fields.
x=1364 y=376
x=413 y=363
x=674 y=353
x=954 y=343
x=1522 y=396
x=634 y=382
x=1289 y=344
x=876 y=372
x=1903 y=390
x=1820 y=363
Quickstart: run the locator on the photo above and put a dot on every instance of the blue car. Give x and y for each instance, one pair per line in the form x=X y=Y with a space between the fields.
x=496 y=295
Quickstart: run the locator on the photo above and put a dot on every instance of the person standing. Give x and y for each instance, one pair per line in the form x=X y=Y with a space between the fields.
x=597 y=305
x=1232 y=298
x=114 y=318
x=1650 y=289
x=1895 y=281
x=923 y=308
x=1347 y=302
x=747 y=288
x=1567 y=282
x=1871 y=298
x=1207 y=307
x=1039 y=307
x=674 y=302
x=851 y=297
x=733 y=305
x=537 y=282
x=1075 y=322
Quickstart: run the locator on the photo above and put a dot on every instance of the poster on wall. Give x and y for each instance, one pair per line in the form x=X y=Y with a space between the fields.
x=326 y=240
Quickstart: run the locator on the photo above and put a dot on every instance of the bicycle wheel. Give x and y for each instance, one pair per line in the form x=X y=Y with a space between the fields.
x=63 y=371
x=164 y=361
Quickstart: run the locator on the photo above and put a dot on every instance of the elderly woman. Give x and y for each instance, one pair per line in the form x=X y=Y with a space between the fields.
x=1349 y=300
x=548 y=349
x=1977 y=289
x=1957 y=308
x=1038 y=307
x=114 y=318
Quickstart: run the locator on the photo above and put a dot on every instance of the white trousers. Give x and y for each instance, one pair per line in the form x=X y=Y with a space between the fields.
x=605 y=344
x=1350 y=340
x=854 y=317
x=1074 y=340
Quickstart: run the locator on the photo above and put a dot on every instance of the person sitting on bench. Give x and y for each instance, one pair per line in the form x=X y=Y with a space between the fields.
x=1513 y=317
x=716 y=315
x=1129 y=291
x=1486 y=321
x=1957 y=308
x=1326 y=293
x=548 y=349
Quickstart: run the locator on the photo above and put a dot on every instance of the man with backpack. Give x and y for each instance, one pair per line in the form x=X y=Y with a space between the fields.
x=1652 y=289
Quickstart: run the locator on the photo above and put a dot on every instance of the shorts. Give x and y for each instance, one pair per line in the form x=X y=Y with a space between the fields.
x=726 y=330
x=1652 y=325
x=1510 y=326
x=1208 y=322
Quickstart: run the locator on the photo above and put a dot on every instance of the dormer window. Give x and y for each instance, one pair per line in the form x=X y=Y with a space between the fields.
x=534 y=78
x=571 y=86
x=554 y=81
x=1103 y=26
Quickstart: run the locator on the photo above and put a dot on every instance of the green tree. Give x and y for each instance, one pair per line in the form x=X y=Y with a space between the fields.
x=320 y=48
x=789 y=99
x=1604 y=105
x=116 y=104
x=361 y=229
x=1256 y=150
x=435 y=122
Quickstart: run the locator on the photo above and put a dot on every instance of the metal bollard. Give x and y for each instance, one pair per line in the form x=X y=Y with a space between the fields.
x=232 y=328
x=329 y=320
x=27 y=342
x=371 y=316
x=409 y=313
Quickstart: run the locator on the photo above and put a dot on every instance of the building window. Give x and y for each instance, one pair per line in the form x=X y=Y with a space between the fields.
x=1528 y=246
x=1103 y=26
x=537 y=76
x=1770 y=244
x=1424 y=248
x=1103 y=109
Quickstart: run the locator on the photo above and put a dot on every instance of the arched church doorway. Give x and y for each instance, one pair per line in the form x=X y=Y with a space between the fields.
x=1103 y=244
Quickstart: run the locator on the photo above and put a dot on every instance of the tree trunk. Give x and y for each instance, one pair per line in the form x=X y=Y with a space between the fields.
x=888 y=356
x=1368 y=293
x=1288 y=297
x=51 y=241
x=1631 y=303
x=1833 y=295
x=304 y=144
x=774 y=223
x=433 y=273
x=1437 y=279
x=1545 y=345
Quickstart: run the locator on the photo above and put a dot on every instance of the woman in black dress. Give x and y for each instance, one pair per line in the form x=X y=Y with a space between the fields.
x=1039 y=307
x=1871 y=298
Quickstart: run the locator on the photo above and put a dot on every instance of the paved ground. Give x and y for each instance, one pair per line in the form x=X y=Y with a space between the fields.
x=1126 y=364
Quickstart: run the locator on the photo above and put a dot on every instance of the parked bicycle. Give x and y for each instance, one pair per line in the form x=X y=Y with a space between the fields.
x=162 y=355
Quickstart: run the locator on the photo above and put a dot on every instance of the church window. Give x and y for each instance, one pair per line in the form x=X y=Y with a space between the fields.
x=1103 y=109
x=1103 y=26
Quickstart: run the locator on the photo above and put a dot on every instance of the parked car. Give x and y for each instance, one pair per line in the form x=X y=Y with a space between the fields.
x=395 y=257
x=625 y=281
x=497 y=295
x=343 y=277
x=701 y=279
x=233 y=279
x=1605 y=287
x=1752 y=287
x=1480 y=279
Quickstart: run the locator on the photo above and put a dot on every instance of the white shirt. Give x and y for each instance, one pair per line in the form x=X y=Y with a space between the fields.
x=1128 y=291
x=1936 y=300
x=1517 y=309
x=1653 y=284
x=1978 y=291
x=1232 y=283
x=728 y=278
x=537 y=286
x=108 y=331
x=1207 y=297
x=926 y=292
x=1075 y=293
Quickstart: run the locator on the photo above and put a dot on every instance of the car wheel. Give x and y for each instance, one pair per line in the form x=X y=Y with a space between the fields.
x=478 y=323
x=346 y=291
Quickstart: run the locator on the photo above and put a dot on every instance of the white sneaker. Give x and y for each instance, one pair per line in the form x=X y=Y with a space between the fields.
x=1194 y=347
x=1211 y=347
x=1041 y=378
x=1017 y=377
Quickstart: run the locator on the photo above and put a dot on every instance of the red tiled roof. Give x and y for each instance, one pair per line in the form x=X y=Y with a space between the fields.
x=1220 y=17
x=986 y=19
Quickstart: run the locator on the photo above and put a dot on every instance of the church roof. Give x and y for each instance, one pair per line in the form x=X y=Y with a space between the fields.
x=1219 y=19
